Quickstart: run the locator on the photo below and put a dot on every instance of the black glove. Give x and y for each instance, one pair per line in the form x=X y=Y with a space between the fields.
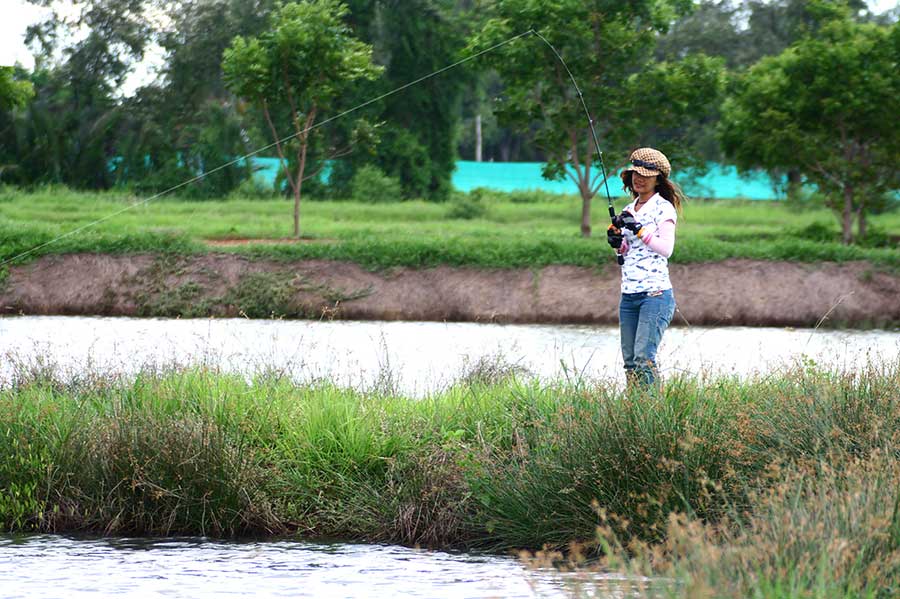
x=614 y=237
x=629 y=222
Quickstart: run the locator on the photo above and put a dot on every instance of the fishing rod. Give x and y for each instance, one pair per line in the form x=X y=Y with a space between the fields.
x=612 y=210
x=324 y=122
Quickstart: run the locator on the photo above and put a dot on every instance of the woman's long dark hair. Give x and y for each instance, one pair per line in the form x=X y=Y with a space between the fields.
x=665 y=187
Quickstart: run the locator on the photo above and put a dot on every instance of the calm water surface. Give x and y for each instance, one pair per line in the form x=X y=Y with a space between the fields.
x=45 y=567
x=415 y=357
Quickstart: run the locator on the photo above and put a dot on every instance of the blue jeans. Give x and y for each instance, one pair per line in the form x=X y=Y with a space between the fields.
x=643 y=318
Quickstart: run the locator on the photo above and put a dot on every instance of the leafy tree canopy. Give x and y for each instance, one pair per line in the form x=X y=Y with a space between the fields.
x=13 y=92
x=827 y=107
x=608 y=47
x=300 y=67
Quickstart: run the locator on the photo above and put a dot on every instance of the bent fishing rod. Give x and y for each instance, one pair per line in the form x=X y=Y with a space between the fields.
x=612 y=212
x=587 y=113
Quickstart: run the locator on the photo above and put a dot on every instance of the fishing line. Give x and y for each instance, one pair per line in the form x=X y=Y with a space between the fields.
x=329 y=120
x=589 y=117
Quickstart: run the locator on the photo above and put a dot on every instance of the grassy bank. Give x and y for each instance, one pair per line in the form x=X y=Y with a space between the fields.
x=508 y=231
x=788 y=480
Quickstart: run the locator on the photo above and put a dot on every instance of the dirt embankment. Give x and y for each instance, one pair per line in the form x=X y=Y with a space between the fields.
x=733 y=292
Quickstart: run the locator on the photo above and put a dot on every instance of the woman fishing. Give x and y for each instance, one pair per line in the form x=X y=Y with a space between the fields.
x=644 y=234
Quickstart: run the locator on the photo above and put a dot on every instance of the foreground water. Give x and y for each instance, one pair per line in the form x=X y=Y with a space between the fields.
x=414 y=357
x=46 y=566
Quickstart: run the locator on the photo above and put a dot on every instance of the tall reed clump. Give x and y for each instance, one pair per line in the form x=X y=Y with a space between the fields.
x=131 y=458
x=701 y=448
x=829 y=528
x=385 y=468
x=788 y=480
x=638 y=457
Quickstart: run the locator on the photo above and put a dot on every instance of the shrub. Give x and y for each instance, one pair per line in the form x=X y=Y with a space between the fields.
x=469 y=206
x=263 y=295
x=819 y=231
x=879 y=238
x=253 y=189
x=370 y=184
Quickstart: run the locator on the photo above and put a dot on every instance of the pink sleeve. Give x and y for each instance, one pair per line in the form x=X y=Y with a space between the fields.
x=662 y=240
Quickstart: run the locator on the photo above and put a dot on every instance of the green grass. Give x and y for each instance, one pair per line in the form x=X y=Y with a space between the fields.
x=512 y=233
x=789 y=481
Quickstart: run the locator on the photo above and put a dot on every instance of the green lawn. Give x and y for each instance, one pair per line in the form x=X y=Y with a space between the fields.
x=510 y=234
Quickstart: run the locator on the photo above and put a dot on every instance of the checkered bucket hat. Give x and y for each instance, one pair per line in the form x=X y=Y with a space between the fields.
x=649 y=162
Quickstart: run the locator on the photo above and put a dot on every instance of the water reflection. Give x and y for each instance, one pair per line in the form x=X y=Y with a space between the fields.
x=45 y=566
x=415 y=357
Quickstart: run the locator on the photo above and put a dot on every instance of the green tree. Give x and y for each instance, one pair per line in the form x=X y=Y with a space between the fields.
x=186 y=123
x=419 y=37
x=13 y=92
x=67 y=133
x=825 y=107
x=195 y=38
x=419 y=125
x=156 y=153
x=64 y=134
x=712 y=28
x=303 y=64
x=741 y=33
x=608 y=46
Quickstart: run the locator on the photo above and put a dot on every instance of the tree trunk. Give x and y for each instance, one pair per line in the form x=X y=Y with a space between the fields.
x=847 y=216
x=281 y=158
x=298 y=189
x=477 y=138
x=301 y=167
x=793 y=185
x=297 y=210
x=505 y=150
x=586 y=196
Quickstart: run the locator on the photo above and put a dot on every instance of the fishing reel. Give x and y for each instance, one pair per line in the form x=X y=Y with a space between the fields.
x=626 y=220
x=615 y=231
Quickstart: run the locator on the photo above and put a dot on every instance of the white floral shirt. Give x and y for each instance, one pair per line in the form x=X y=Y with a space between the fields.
x=644 y=269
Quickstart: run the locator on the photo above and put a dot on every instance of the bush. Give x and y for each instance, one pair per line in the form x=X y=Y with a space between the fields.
x=879 y=238
x=487 y=195
x=253 y=189
x=370 y=184
x=471 y=205
x=786 y=470
x=823 y=233
x=263 y=295
x=819 y=231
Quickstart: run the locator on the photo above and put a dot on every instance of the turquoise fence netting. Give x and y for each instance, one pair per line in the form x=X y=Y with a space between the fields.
x=720 y=181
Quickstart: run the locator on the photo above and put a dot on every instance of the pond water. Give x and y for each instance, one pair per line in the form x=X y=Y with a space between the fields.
x=48 y=566
x=414 y=357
